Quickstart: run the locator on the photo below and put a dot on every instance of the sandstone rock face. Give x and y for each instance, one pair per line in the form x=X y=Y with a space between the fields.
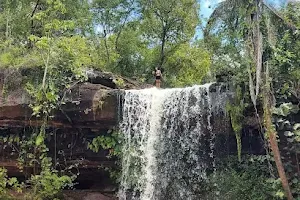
x=92 y=104
x=91 y=109
x=88 y=107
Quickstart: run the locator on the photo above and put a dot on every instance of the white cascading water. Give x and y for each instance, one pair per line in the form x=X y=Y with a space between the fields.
x=169 y=142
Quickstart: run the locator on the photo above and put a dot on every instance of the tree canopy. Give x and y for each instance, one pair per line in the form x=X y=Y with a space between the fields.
x=129 y=37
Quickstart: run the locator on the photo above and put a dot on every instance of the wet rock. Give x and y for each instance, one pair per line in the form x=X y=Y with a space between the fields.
x=96 y=196
x=86 y=195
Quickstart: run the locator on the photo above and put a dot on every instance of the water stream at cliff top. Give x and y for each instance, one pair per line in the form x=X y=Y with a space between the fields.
x=169 y=142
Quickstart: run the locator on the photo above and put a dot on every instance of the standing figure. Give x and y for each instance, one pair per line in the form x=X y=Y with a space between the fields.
x=158 y=74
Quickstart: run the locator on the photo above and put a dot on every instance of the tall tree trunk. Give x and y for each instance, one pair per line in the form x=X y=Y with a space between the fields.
x=7 y=28
x=32 y=15
x=121 y=28
x=7 y=35
x=162 y=50
x=106 y=46
x=272 y=134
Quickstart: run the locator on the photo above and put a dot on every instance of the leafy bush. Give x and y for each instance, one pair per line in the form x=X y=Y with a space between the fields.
x=6 y=183
x=113 y=143
x=48 y=184
x=247 y=180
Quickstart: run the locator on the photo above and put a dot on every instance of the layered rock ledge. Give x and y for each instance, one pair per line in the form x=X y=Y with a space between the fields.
x=93 y=104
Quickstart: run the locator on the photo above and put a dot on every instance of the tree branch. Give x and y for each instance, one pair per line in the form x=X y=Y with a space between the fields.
x=33 y=12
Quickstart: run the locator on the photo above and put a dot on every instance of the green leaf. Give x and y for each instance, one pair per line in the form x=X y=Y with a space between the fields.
x=12 y=181
x=288 y=133
x=295 y=180
x=296 y=126
x=39 y=140
x=297 y=132
x=279 y=194
x=285 y=109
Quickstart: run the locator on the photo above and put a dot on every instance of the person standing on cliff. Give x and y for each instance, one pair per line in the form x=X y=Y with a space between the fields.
x=158 y=74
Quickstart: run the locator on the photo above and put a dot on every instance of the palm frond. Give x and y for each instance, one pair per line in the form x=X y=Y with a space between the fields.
x=277 y=14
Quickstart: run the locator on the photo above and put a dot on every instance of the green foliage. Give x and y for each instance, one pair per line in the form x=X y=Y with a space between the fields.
x=123 y=36
x=45 y=182
x=6 y=182
x=176 y=18
x=289 y=129
x=241 y=185
x=119 y=82
x=135 y=58
x=59 y=60
x=245 y=179
x=32 y=149
x=48 y=184
x=233 y=31
x=285 y=109
x=169 y=24
x=45 y=100
x=188 y=65
x=111 y=142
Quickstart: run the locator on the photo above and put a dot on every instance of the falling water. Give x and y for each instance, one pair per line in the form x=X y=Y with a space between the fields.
x=169 y=142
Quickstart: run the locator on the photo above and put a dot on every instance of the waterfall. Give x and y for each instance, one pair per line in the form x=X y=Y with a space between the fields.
x=169 y=142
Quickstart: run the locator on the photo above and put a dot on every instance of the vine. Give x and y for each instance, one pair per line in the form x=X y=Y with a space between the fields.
x=113 y=143
x=235 y=111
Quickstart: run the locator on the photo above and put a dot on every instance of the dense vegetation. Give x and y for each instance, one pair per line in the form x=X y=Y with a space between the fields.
x=248 y=43
x=123 y=36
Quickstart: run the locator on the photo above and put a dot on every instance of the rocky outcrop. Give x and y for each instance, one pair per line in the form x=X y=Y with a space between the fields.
x=91 y=109
x=89 y=106
x=92 y=104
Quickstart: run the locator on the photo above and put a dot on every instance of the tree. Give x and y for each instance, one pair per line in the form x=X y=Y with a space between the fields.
x=190 y=62
x=110 y=18
x=169 y=24
x=135 y=56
